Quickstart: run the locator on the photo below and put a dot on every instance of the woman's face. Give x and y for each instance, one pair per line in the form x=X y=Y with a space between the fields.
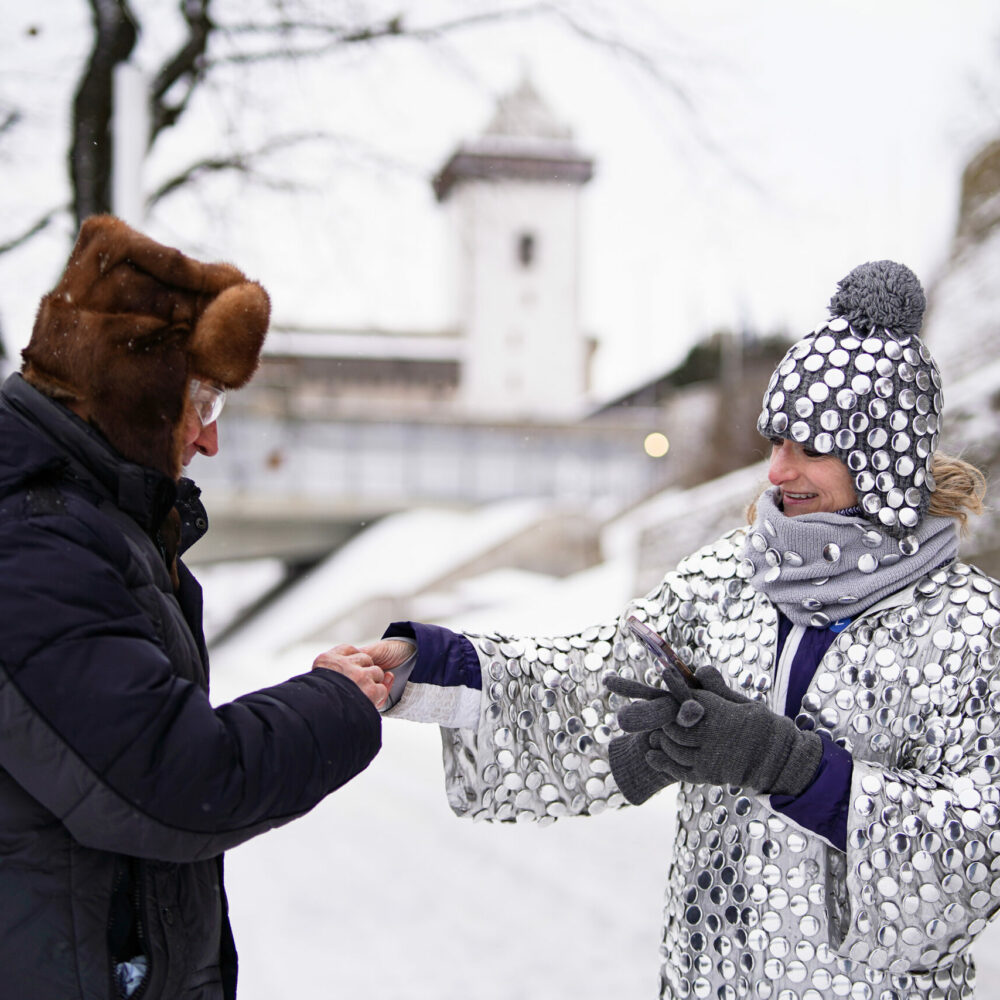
x=809 y=483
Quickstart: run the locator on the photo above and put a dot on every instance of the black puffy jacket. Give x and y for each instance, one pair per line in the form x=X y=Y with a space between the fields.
x=120 y=784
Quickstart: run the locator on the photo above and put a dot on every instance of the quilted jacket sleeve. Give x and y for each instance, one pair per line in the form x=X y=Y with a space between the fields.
x=96 y=725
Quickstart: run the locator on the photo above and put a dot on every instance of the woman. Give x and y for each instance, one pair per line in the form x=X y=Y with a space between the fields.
x=850 y=852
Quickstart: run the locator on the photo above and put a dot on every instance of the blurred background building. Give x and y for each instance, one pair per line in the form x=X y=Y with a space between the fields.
x=346 y=429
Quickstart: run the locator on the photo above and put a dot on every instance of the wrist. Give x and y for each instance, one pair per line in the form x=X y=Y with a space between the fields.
x=804 y=757
x=637 y=780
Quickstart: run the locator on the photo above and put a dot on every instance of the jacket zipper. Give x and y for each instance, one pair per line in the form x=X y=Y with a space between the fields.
x=783 y=668
x=137 y=895
x=135 y=867
x=115 y=989
x=779 y=694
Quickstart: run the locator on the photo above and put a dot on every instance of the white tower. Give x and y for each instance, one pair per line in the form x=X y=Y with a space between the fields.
x=513 y=200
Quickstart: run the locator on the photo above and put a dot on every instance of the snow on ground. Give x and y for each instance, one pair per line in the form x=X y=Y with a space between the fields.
x=383 y=893
x=242 y=583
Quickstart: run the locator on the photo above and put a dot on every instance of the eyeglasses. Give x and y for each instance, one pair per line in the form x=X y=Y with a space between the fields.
x=207 y=401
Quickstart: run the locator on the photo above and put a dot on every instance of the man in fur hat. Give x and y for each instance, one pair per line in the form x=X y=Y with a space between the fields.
x=120 y=784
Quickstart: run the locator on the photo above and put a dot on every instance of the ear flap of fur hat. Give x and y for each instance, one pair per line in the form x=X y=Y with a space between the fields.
x=129 y=323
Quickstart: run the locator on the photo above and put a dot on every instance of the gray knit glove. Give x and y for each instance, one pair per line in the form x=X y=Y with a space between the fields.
x=636 y=777
x=719 y=737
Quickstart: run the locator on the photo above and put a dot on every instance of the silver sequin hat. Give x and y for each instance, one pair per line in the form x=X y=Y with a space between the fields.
x=864 y=387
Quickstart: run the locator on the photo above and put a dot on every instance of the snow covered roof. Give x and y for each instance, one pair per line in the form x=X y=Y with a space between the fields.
x=523 y=113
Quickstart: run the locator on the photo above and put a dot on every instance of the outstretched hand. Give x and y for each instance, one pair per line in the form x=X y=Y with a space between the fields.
x=651 y=707
x=372 y=678
x=389 y=653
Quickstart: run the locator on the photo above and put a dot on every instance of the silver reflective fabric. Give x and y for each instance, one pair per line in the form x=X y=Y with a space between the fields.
x=756 y=906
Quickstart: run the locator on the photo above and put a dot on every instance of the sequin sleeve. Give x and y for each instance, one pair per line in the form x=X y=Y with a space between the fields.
x=923 y=851
x=920 y=704
x=540 y=751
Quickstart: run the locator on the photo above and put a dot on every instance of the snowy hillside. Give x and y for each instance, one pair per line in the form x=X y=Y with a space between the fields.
x=962 y=329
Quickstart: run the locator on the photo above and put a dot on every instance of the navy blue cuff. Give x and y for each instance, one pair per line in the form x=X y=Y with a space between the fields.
x=822 y=807
x=444 y=658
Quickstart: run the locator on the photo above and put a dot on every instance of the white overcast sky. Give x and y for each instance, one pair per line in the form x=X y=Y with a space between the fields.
x=820 y=135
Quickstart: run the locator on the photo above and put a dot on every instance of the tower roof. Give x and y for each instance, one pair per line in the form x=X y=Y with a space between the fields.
x=524 y=140
x=523 y=113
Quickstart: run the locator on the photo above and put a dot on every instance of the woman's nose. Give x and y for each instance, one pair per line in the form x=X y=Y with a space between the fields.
x=783 y=466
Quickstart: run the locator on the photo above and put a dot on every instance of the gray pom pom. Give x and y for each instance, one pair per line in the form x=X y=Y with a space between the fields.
x=880 y=293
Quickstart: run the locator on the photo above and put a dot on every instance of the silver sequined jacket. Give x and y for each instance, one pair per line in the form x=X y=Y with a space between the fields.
x=757 y=906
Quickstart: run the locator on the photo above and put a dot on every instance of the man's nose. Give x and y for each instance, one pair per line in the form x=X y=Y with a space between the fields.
x=207 y=441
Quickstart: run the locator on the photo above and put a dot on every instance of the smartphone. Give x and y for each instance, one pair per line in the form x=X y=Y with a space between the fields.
x=661 y=651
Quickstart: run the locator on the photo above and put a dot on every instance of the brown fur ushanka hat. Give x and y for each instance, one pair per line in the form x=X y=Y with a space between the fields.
x=130 y=322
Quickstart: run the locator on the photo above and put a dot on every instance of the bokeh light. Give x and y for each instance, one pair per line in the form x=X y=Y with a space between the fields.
x=656 y=445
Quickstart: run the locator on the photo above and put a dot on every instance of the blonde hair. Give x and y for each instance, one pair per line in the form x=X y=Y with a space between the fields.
x=960 y=491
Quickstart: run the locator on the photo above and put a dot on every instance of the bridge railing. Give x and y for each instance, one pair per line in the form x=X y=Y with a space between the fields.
x=308 y=466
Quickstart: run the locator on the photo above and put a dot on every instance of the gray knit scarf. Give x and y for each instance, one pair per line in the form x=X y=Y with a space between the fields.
x=821 y=568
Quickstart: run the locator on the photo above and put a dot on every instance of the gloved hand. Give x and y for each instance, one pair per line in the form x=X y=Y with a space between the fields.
x=722 y=738
x=636 y=777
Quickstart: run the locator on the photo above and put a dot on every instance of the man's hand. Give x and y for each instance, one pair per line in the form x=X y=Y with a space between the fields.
x=389 y=653
x=360 y=667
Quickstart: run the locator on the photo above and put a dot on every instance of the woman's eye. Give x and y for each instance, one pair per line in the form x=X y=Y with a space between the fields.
x=777 y=442
x=809 y=453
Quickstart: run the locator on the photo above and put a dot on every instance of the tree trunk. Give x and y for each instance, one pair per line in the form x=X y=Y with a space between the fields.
x=90 y=154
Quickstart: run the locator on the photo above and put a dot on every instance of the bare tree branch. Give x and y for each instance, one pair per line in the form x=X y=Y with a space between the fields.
x=390 y=26
x=287 y=37
x=33 y=230
x=239 y=161
x=634 y=55
x=187 y=63
x=654 y=69
x=236 y=162
x=247 y=162
x=9 y=120
x=336 y=36
x=115 y=35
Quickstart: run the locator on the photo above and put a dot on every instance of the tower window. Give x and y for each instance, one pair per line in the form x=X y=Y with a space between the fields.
x=526 y=249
